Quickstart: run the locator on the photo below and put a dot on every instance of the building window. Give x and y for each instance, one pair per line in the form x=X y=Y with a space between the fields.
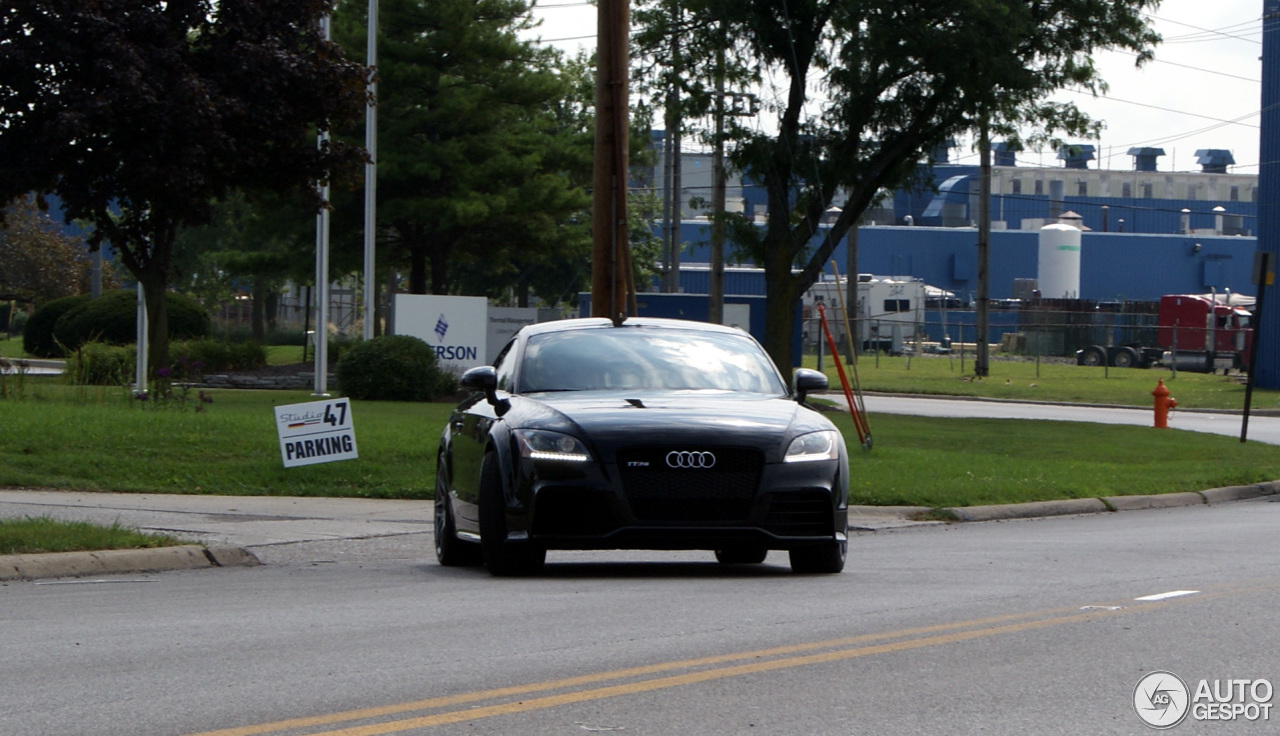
x=1191 y=191
x=1015 y=186
x=1235 y=194
x=1126 y=190
x=1039 y=186
x=1148 y=190
x=1082 y=188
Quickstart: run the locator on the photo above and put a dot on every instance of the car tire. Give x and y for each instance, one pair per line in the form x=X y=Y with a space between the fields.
x=450 y=551
x=502 y=558
x=824 y=559
x=743 y=555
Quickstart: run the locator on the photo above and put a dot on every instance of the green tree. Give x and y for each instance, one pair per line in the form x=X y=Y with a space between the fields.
x=478 y=153
x=862 y=89
x=251 y=245
x=140 y=114
x=39 y=262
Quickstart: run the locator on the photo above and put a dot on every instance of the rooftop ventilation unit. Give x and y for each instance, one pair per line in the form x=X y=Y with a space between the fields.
x=1214 y=160
x=942 y=151
x=1005 y=153
x=1076 y=155
x=1144 y=159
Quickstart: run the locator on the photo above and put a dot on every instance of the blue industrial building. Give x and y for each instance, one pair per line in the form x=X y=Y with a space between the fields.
x=1145 y=232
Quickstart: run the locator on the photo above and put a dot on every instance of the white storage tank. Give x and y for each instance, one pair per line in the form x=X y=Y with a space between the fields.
x=1059 y=263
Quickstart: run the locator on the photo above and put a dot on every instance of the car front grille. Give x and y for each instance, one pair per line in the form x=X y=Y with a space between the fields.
x=701 y=492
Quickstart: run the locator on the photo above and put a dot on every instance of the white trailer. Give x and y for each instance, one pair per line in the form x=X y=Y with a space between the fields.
x=890 y=310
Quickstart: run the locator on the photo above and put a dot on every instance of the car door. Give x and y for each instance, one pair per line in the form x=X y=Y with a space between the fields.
x=469 y=429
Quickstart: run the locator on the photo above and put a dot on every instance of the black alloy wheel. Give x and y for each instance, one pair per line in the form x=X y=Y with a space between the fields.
x=450 y=551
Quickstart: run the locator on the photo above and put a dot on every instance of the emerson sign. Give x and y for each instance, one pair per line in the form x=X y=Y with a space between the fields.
x=456 y=327
x=317 y=432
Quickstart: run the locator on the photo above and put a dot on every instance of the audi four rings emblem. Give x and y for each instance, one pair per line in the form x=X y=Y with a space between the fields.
x=687 y=459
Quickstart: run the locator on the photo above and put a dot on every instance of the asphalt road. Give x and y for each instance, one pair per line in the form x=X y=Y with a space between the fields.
x=998 y=628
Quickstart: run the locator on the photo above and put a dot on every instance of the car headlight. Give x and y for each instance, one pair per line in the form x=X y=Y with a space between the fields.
x=822 y=445
x=539 y=444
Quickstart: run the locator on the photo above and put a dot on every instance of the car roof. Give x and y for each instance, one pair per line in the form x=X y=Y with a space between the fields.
x=589 y=323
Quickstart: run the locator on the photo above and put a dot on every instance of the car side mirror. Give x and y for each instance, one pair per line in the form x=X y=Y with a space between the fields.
x=484 y=378
x=805 y=381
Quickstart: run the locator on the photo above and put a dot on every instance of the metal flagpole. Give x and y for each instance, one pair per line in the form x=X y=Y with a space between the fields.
x=322 y=268
x=371 y=176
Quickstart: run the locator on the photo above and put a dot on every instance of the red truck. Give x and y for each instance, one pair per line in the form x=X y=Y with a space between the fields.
x=1194 y=332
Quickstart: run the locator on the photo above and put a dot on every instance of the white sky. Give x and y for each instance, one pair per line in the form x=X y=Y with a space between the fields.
x=1206 y=75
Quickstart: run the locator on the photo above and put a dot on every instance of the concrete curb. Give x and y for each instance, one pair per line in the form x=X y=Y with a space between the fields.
x=1067 y=507
x=1241 y=493
x=1031 y=510
x=81 y=564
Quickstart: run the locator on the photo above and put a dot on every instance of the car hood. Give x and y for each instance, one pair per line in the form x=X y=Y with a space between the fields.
x=611 y=420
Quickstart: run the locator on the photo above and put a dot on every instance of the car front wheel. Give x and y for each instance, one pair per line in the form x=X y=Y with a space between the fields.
x=502 y=557
x=825 y=558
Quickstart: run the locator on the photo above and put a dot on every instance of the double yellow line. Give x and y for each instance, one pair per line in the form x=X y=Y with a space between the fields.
x=679 y=673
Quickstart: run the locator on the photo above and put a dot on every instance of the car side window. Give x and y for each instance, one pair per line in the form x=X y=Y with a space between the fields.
x=505 y=368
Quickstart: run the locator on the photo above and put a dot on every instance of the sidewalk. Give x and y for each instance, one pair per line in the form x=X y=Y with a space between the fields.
x=238 y=530
x=224 y=530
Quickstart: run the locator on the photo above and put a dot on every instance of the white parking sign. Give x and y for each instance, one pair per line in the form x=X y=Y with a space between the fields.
x=317 y=432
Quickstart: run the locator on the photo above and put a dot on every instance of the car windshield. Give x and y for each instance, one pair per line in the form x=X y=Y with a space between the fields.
x=644 y=358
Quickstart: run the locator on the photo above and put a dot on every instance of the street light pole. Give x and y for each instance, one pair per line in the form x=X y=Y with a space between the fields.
x=371 y=176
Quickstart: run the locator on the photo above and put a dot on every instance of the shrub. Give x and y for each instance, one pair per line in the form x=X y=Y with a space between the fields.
x=216 y=356
x=17 y=321
x=37 y=336
x=392 y=368
x=98 y=364
x=113 y=319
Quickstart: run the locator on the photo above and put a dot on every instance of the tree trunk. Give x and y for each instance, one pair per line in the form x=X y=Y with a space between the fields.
x=418 y=267
x=780 y=299
x=154 y=286
x=439 y=255
x=257 y=314
x=273 y=308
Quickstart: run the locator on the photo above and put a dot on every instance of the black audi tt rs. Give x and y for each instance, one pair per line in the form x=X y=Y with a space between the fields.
x=649 y=434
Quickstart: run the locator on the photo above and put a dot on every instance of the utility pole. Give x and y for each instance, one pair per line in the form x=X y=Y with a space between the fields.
x=980 y=361
x=1267 y=367
x=672 y=209
x=612 y=281
x=715 y=306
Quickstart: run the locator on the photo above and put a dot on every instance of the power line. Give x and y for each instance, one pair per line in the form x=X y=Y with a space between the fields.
x=1195 y=68
x=1168 y=109
x=1206 y=30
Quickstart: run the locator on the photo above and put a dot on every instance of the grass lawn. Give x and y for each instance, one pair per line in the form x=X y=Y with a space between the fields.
x=94 y=438
x=1024 y=380
x=921 y=461
x=11 y=347
x=34 y=535
x=60 y=436
x=284 y=354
